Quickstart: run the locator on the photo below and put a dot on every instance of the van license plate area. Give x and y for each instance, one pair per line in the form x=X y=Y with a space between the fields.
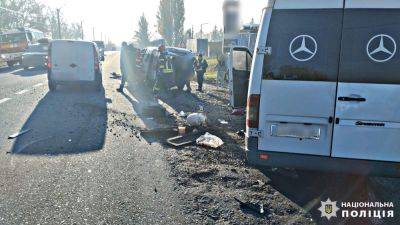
x=298 y=131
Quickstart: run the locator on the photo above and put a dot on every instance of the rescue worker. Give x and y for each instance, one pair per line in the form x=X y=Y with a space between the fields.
x=200 y=66
x=123 y=65
x=164 y=70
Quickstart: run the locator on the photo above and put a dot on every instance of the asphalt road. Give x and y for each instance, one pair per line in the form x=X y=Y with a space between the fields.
x=79 y=162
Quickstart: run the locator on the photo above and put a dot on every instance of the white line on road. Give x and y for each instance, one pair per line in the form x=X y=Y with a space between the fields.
x=22 y=92
x=4 y=100
x=38 y=85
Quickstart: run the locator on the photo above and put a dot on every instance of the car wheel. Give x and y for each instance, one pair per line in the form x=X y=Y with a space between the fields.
x=52 y=86
x=98 y=84
x=10 y=64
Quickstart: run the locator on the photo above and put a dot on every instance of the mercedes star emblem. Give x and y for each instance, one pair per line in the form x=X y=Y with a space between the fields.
x=303 y=48
x=381 y=48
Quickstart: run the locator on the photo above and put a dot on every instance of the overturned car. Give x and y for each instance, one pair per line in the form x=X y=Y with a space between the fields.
x=182 y=65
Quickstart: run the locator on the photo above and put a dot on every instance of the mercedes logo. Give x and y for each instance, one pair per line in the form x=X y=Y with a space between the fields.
x=381 y=48
x=303 y=48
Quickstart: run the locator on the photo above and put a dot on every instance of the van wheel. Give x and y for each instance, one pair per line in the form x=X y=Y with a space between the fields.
x=98 y=84
x=52 y=86
x=10 y=64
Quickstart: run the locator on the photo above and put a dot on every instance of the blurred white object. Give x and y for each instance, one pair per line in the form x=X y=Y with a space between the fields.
x=196 y=119
x=209 y=140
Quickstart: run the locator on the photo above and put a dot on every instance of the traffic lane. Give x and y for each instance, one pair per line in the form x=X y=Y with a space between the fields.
x=15 y=110
x=126 y=182
x=18 y=81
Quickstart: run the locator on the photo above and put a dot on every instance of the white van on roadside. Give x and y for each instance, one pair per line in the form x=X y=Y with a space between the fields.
x=74 y=62
x=324 y=90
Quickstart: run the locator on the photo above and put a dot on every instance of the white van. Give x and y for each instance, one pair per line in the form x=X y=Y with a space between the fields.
x=74 y=62
x=324 y=90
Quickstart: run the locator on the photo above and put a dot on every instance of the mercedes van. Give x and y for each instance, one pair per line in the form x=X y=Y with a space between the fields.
x=74 y=62
x=324 y=89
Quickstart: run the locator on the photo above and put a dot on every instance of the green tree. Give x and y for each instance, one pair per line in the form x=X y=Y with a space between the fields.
x=170 y=20
x=179 y=22
x=142 y=36
x=165 y=20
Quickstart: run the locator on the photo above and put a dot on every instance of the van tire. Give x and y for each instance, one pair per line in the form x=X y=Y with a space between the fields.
x=10 y=64
x=52 y=86
x=98 y=84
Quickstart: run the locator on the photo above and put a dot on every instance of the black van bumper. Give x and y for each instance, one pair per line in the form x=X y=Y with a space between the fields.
x=321 y=163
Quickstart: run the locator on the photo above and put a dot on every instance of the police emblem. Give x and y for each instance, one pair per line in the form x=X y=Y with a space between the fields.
x=328 y=209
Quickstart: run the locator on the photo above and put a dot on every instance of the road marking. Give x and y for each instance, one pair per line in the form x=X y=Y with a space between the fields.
x=38 y=85
x=4 y=100
x=22 y=92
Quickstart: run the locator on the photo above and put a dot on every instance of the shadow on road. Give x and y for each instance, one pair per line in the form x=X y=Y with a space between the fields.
x=9 y=69
x=307 y=189
x=69 y=121
x=30 y=72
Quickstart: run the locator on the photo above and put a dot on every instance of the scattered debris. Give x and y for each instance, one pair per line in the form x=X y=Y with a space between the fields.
x=259 y=209
x=196 y=119
x=224 y=122
x=13 y=136
x=182 y=114
x=182 y=130
x=238 y=112
x=184 y=140
x=210 y=140
x=115 y=75
x=241 y=133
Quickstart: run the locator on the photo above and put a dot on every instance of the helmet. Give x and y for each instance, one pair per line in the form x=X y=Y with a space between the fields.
x=161 y=48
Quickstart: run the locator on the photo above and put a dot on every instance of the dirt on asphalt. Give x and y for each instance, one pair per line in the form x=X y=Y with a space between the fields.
x=213 y=182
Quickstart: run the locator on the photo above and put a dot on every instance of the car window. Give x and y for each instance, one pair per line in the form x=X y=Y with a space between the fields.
x=364 y=59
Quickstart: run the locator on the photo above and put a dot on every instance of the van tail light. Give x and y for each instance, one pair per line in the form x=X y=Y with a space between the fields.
x=253 y=109
x=48 y=62
x=96 y=59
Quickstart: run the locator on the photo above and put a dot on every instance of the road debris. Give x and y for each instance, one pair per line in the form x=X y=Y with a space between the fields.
x=115 y=75
x=196 y=119
x=209 y=140
x=257 y=208
x=13 y=136
x=223 y=122
x=182 y=114
x=184 y=140
x=238 y=112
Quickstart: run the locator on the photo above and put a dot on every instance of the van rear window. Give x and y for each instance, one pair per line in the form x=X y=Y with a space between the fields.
x=370 y=46
x=305 y=45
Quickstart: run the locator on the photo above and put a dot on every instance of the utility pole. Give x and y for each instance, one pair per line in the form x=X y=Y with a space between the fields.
x=201 y=29
x=101 y=36
x=59 y=23
x=94 y=38
x=83 y=36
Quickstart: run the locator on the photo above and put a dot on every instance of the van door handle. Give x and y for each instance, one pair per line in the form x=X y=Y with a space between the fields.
x=352 y=99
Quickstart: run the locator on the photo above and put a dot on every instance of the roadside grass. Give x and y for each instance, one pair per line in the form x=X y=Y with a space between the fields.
x=211 y=73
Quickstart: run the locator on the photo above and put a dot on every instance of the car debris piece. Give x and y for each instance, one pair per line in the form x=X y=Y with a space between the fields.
x=257 y=208
x=184 y=140
x=196 y=119
x=22 y=132
x=209 y=140
x=182 y=114
x=238 y=112
x=241 y=133
x=224 y=122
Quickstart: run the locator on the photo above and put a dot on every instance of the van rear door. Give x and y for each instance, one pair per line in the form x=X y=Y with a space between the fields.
x=368 y=105
x=239 y=65
x=300 y=75
x=72 y=61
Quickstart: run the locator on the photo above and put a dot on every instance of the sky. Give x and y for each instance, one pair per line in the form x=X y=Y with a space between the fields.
x=117 y=19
